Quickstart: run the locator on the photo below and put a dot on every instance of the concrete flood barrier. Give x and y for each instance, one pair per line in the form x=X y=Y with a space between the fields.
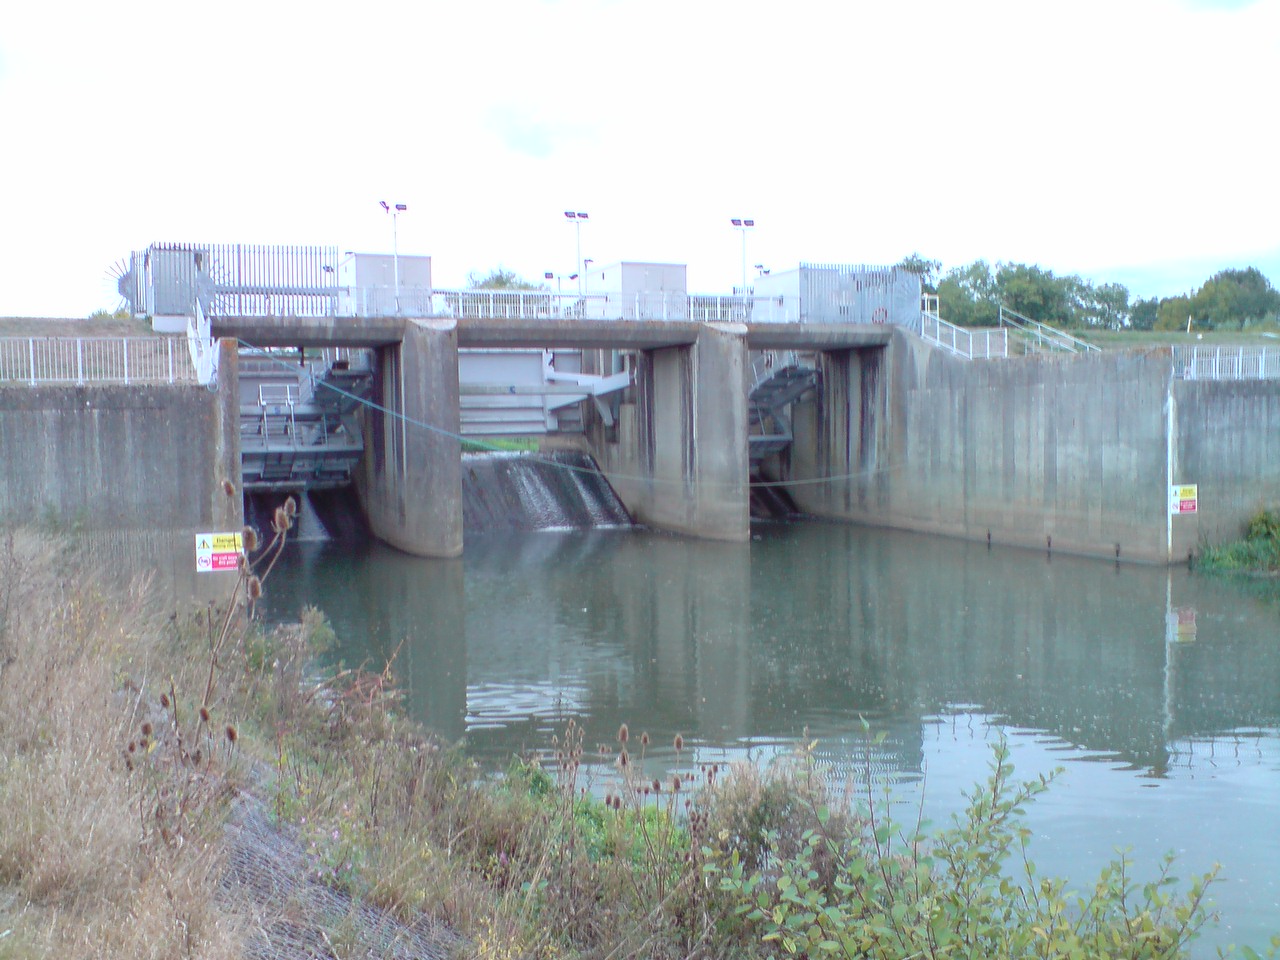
x=1057 y=453
x=1062 y=454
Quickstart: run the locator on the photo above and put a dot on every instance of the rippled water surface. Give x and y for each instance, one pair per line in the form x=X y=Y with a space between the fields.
x=1157 y=691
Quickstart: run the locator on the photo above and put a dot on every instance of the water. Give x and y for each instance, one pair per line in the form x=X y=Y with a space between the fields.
x=1158 y=692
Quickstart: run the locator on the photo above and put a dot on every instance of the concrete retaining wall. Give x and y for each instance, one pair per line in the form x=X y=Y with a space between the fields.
x=1063 y=452
x=135 y=471
x=111 y=457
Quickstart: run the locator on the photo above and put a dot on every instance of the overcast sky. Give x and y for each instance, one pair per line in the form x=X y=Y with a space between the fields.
x=1126 y=140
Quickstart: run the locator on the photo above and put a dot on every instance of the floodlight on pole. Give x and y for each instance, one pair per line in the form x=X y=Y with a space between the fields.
x=395 y=210
x=743 y=225
x=576 y=217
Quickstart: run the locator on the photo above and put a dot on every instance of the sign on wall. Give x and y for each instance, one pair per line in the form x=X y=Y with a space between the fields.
x=1183 y=499
x=217 y=551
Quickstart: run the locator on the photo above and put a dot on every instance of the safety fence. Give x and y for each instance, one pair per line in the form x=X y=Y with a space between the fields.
x=1226 y=363
x=1041 y=336
x=985 y=344
x=80 y=360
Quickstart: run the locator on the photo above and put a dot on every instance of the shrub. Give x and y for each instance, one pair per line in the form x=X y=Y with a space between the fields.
x=967 y=890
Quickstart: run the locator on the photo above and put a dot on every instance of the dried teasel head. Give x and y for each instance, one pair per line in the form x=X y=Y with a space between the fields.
x=679 y=743
x=280 y=521
x=164 y=700
x=250 y=537
x=291 y=507
x=231 y=734
x=204 y=714
x=644 y=739
x=228 y=488
x=623 y=734
x=146 y=729
x=255 y=587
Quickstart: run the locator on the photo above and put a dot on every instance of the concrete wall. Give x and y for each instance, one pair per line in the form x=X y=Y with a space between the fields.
x=1070 y=452
x=1228 y=442
x=410 y=480
x=114 y=457
x=137 y=470
x=678 y=457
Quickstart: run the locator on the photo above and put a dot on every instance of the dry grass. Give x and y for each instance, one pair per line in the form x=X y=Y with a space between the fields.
x=81 y=871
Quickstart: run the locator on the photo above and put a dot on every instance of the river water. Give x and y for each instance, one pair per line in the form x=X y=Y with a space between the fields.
x=1158 y=692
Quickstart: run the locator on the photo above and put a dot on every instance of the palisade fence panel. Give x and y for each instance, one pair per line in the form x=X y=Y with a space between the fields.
x=844 y=293
x=81 y=360
x=236 y=279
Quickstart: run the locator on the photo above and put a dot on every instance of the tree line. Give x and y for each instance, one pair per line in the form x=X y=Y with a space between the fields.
x=971 y=296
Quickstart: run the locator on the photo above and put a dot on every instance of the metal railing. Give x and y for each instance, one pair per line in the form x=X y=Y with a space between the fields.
x=986 y=344
x=81 y=360
x=1226 y=363
x=1042 y=335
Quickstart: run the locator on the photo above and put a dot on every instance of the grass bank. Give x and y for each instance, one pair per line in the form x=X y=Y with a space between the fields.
x=1257 y=553
x=186 y=785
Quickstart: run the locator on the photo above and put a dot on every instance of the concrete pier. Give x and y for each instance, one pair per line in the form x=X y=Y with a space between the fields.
x=684 y=468
x=410 y=482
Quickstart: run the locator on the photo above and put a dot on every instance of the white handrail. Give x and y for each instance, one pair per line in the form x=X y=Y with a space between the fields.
x=1043 y=332
x=1236 y=362
x=82 y=360
x=986 y=344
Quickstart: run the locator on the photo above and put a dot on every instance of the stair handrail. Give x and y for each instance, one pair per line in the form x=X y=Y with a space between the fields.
x=1044 y=333
x=967 y=344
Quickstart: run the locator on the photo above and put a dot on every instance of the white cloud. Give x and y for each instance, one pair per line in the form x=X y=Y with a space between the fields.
x=1094 y=137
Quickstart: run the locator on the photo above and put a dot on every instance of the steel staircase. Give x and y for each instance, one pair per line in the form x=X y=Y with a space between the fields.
x=301 y=433
x=779 y=379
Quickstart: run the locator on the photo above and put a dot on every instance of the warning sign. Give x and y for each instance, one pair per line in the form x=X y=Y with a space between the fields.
x=1183 y=499
x=217 y=551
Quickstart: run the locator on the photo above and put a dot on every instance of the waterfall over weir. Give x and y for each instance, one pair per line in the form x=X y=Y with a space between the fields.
x=544 y=491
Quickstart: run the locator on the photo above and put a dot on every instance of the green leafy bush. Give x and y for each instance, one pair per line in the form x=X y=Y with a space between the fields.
x=969 y=890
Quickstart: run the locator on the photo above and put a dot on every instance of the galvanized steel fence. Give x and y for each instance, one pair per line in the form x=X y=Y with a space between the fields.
x=1226 y=363
x=982 y=344
x=80 y=360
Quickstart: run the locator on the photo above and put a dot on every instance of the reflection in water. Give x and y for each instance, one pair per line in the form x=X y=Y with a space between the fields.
x=939 y=643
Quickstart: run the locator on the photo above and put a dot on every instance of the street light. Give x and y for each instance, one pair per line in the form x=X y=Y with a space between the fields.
x=586 y=263
x=395 y=210
x=743 y=226
x=576 y=217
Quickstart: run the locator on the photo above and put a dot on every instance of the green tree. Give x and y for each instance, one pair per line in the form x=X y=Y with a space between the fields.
x=1174 y=313
x=926 y=269
x=1035 y=292
x=1103 y=306
x=1232 y=297
x=501 y=279
x=968 y=296
x=1142 y=315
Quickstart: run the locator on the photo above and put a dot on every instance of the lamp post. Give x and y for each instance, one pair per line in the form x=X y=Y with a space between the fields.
x=586 y=263
x=395 y=210
x=743 y=226
x=576 y=217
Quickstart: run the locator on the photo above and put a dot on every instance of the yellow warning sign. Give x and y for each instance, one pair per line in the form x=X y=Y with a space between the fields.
x=218 y=551
x=1184 y=498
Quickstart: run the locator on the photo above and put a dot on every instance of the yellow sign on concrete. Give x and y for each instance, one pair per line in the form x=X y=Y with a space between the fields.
x=218 y=551
x=1183 y=499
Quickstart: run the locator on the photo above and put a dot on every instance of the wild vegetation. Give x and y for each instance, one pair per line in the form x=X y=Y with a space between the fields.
x=971 y=296
x=133 y=744
x=1256 y=553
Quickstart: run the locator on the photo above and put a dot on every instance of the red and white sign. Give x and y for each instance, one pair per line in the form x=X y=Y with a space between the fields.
x=217 y=551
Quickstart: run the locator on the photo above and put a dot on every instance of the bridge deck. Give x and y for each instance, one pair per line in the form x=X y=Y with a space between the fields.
x=542 y=333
